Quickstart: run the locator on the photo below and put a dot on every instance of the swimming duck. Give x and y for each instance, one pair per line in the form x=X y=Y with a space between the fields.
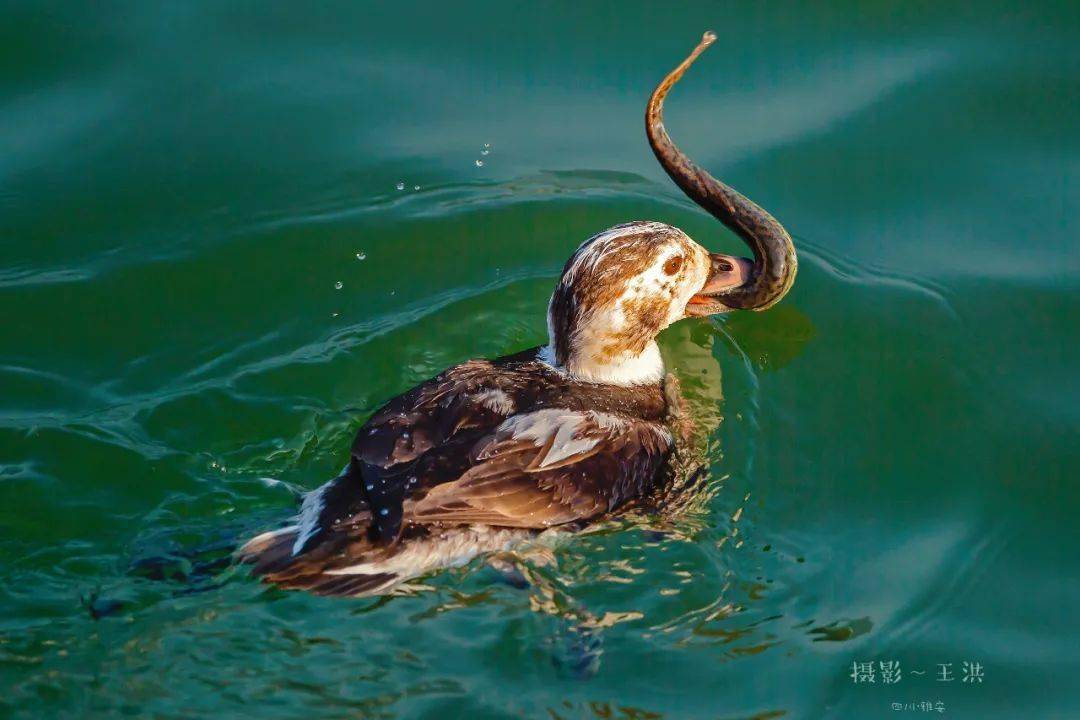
x=491 y=452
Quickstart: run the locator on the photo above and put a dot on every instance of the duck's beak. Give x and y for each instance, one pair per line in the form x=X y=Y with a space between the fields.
x=725 y=272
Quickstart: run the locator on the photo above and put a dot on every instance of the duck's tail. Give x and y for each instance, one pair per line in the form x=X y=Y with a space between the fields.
x=272 y=558
x=350 y=564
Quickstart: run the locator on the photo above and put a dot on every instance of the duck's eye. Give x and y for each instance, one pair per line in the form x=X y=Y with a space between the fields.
x=672 y=266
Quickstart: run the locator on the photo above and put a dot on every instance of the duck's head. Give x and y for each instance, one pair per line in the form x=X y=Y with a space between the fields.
x=626 y=284
x=622 y=287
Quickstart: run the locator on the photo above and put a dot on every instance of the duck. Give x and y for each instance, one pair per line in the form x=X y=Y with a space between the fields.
x=492 y=452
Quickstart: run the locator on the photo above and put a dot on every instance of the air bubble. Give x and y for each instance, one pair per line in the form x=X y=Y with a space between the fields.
x=361 y=256
x=338 y=285
x=479 y=163
x=400 y=186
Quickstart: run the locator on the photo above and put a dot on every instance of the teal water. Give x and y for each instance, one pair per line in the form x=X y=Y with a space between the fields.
x=894 y=447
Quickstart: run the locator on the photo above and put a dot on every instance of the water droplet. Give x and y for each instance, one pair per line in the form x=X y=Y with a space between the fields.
x=400 y=186
x=361 y=256
x=338 y=285
x=479 y=162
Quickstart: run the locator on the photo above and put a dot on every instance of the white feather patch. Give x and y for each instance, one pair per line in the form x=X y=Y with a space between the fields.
x=308 y=522
x=642 y=369
x=452 y=547
x=259 y=543
x=546 y=355
x=496 y=400
x=538 y=427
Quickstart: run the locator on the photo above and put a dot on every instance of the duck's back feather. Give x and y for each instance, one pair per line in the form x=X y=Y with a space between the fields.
x=550 y=467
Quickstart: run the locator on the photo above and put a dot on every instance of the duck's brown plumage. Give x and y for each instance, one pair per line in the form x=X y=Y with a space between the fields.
x=447 y=430
x=506 y=443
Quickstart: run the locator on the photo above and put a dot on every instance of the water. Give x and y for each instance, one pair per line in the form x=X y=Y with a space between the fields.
x=892 y=464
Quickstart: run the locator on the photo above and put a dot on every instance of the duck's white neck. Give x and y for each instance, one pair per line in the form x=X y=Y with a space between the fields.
x=624 y=369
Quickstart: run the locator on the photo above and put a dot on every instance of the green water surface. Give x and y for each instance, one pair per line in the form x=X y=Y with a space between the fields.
x=209 y=279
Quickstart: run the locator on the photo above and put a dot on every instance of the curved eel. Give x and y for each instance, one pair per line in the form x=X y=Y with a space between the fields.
x=775 y=262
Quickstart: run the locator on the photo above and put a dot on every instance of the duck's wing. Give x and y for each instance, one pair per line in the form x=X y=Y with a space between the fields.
x=417 y=440
x=550 y=467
